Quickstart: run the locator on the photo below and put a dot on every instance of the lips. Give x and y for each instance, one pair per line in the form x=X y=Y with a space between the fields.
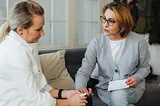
x=106 y=30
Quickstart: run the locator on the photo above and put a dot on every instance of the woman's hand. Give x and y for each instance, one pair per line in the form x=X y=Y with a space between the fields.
x=85 y=90
x=69 y=93
x=77 y=100
x=131 y=81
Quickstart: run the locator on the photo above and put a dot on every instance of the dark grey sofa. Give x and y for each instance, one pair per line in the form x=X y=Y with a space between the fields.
x=73 y=60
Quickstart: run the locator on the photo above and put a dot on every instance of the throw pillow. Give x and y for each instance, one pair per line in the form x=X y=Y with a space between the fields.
x=53 y=67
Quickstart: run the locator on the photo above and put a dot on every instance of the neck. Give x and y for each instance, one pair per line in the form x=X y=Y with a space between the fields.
x=116 y=37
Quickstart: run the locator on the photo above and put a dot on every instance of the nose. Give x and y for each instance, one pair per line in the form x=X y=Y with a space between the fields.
x=42 y=33
x=106 y=25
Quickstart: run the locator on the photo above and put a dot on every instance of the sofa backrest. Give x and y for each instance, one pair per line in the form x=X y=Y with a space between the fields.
x=73 y=59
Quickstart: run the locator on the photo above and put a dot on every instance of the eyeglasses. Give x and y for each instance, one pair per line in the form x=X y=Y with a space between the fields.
x=110 y=22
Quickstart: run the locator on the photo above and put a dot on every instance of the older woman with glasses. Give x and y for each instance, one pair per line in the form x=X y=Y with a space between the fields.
x=122 y=58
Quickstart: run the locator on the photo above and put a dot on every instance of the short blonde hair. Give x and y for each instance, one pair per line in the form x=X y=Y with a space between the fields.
x=122 y=15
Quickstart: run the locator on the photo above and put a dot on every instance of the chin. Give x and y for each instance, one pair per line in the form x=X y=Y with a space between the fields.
x=34 y=41
x=108 y=34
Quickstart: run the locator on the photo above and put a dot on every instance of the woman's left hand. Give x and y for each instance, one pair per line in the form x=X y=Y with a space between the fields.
x=131 y=81
x=69 y=93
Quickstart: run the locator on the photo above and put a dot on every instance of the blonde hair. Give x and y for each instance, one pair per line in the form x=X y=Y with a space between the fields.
x=21 y=16
x=4 y=31
x=122 y=16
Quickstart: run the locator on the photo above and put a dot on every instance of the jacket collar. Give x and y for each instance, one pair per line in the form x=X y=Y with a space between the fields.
x=19 y=39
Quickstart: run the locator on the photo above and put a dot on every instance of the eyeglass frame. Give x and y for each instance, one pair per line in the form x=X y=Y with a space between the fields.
x=109 y=22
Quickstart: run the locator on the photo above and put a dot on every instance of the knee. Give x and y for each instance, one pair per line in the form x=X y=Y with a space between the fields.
x=119 y=98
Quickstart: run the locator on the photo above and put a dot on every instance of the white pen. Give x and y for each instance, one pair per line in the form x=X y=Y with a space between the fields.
x=83 y=94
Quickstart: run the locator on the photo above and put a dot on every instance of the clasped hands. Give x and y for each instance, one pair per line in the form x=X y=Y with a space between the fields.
x=75 y=97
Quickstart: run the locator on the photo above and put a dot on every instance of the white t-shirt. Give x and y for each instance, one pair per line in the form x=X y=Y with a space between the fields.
x=117 y=48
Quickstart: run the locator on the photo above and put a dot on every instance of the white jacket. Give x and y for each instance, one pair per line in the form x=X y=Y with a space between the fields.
x=21 y=80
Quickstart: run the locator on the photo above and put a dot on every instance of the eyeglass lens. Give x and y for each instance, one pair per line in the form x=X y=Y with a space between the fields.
x=110 y=22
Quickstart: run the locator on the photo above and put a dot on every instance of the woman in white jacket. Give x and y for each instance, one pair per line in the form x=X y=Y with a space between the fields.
x=21 y=80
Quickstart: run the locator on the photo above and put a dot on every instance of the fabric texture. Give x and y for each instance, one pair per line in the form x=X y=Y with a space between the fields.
x=53 y=67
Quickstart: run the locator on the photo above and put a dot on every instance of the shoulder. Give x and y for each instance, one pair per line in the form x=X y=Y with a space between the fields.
x=21 y=58
x=135 y=37
x=16 y=54
x=100 y=38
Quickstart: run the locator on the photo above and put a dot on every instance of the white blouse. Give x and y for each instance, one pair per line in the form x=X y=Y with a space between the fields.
x=117 y=48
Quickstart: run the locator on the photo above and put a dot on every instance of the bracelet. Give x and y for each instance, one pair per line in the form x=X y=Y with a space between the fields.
x=60 y=94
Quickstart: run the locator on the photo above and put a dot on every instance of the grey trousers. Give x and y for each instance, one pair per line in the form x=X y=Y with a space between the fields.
x=125 y=97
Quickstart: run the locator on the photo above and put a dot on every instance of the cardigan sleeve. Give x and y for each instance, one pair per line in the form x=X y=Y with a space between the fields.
x=143 y=68
x=88 y=64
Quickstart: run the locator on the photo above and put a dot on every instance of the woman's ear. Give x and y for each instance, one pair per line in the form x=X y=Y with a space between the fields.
x=20 y=30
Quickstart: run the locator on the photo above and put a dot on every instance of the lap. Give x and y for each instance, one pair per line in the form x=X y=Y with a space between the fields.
x=131 y=95
x=134 y=94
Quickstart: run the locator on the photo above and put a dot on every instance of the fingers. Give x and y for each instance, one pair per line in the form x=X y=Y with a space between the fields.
x=90 y=91
x=129 y=81
x=78 y=100
x=83 y=102
x=132 y=82
x=85 y=90
x=78 y=92
x=133 y=85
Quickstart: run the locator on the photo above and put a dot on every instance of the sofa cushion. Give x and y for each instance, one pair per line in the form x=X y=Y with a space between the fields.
x=73 y=60
x=72 y=68
x=151 y=96
x=53 y=67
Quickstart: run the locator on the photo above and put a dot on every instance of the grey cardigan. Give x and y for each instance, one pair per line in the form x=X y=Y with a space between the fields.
x=134 y=62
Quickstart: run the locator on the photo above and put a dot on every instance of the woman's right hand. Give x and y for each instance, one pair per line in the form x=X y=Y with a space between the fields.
x=86 y=90
x=77 y=100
